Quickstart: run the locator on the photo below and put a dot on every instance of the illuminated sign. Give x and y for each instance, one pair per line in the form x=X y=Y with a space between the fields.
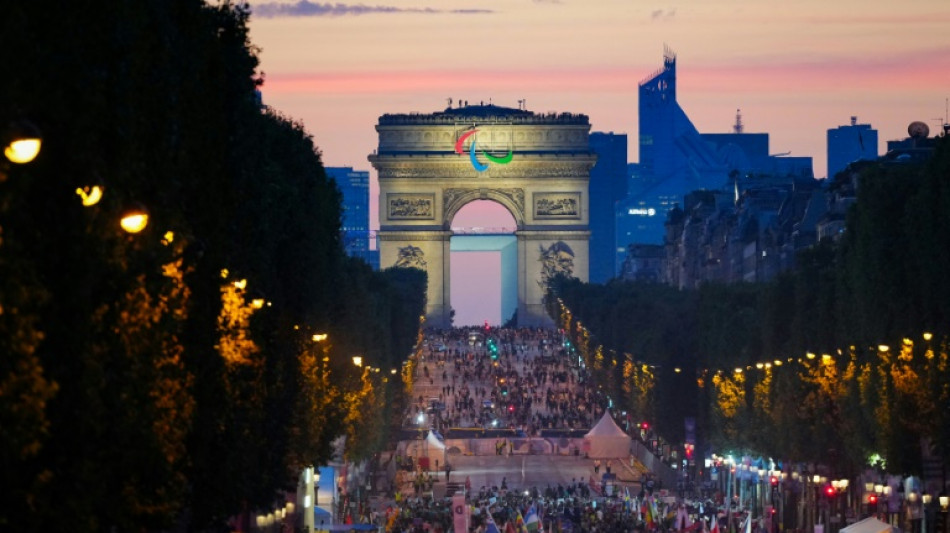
x=476 y=164
x=642 y=212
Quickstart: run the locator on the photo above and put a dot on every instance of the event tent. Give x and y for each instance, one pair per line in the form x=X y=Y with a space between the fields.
x=868 y=525
x=606 y=440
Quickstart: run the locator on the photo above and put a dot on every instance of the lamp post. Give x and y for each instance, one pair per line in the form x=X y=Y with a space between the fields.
x=841 y=491
x=925 y=499
x=944 y=501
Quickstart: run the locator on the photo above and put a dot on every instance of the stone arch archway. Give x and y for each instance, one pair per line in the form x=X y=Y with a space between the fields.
x=535 y=165
x=457 y=198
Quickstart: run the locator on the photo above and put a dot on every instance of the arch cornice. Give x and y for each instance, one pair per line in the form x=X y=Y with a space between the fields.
x=454 y=198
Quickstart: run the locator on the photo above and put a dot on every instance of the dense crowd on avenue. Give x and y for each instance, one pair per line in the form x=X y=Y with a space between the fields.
x=571 y=508
x=521 y=379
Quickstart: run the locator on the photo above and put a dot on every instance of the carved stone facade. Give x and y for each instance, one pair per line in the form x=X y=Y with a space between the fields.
x=535 y=165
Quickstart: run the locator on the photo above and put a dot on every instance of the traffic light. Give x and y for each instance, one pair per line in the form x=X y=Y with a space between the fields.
x=872 y=499
x=773 y=480
x=829 y=491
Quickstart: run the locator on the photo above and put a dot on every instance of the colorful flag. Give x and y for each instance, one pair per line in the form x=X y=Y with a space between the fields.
x=519 y=522
x=531 y=521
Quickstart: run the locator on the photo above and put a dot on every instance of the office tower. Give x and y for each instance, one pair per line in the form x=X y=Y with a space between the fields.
x=674 y=160
x=354 y=184
x=847 y=144
x=608 y=186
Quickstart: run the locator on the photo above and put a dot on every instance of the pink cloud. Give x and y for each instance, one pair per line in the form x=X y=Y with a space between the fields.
x=916 y=69
x=905 y=71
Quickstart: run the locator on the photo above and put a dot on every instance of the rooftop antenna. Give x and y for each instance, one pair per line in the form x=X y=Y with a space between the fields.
x=450 y=101
x=738 y=126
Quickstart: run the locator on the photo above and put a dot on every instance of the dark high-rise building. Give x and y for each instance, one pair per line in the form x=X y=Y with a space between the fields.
x=354 y=184
x=847 y=144
x=674 y=160
x=608 y=186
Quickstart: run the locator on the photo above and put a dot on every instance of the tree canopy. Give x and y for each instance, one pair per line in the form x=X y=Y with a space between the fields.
x=172 y=377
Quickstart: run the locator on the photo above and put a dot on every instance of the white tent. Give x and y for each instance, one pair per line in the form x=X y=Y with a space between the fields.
x=606 y=440
x=868 y=525
x=433 y=443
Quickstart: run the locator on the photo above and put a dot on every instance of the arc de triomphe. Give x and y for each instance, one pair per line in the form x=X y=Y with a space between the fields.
x=535 y=165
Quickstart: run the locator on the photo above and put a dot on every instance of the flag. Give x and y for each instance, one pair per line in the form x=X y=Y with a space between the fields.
x=648 y=516
x=714 y=526
x=531 y=520
x=519 y=522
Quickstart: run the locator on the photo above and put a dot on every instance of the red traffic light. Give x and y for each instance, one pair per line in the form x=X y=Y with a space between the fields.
x=773 y=480
x=872 y=498
x=830 y=491
x=645 y=425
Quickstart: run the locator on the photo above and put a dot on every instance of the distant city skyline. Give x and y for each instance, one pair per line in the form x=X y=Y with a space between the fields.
x=795 y=70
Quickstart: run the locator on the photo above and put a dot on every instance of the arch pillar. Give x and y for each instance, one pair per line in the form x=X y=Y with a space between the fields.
x=427 y=250
x=541 y=255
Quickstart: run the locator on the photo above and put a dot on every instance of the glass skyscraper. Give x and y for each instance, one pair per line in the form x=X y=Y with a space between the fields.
x=354 y=184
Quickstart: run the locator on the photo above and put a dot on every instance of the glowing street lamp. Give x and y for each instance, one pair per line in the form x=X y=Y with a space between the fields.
x=90 y=194
x=358 y=360
x=21 y=142
x=135 y=219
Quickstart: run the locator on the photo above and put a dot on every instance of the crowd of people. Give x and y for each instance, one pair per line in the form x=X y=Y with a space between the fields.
x=502 y=378
x=571 y=508
x=520 y=379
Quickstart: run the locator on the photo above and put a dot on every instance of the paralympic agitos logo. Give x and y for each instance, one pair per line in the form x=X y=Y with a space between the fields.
x=478 y=165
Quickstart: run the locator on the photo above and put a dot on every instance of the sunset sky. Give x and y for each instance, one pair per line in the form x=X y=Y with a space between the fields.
x=794 y=68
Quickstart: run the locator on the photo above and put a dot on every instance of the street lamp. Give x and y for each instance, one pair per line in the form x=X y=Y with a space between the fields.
x=134 y=219
x=21 y=142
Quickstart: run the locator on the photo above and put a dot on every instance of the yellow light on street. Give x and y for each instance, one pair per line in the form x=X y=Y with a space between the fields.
x=319 y=337
x=357 y=360
x=90 y=195
x=22 y=151
x=810 y=355
x=134 y=220
x=928 y=336
x=883 y=348
x=240 y=284
x=257 y=303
